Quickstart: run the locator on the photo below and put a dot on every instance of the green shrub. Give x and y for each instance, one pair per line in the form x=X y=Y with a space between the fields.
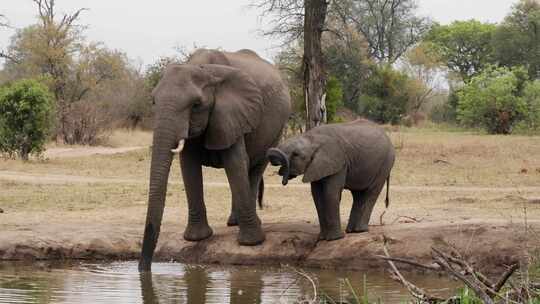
x=531 y=96
x=334 y=98
x=385 y=97
x=25 y=118
x=492 y=100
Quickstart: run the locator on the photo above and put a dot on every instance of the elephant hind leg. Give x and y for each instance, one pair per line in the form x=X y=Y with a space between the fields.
x=255 y=177
x=363 y=203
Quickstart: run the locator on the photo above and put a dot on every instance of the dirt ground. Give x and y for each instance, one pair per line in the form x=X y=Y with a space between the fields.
x=478 y=192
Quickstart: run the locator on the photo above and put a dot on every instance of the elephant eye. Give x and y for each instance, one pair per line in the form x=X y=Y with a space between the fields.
x=197 y=104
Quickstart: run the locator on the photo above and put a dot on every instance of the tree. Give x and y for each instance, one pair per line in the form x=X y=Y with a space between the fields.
x=346 y=58
x=385 y=97
x=295 y=19
x=493 y=100
x=26 y=108
x=56 y=49
x=517 y=40
x=531 y=96
x=465 y=46
x=390 y=27
x=334 y=99
x=313 y=61
x=424 y=66
x=4 y=23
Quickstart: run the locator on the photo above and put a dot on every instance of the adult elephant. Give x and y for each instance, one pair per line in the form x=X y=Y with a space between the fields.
x=223 y=110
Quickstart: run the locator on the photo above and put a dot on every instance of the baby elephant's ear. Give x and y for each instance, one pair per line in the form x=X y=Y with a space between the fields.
x=327 y=160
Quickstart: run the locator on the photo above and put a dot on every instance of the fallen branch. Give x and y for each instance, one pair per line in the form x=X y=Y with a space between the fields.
x=434 y=267
x=414 y=290
x=455 y=265
x=505 y=276
x=442 y=161
x=407 y=217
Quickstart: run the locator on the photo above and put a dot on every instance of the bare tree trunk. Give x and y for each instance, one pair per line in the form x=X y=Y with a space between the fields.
x=314 y=74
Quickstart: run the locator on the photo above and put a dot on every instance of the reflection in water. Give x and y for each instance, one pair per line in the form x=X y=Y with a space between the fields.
x=246 y=287
x=178 y=283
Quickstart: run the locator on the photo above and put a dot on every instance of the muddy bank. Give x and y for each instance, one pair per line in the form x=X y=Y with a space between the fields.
x=490 y=245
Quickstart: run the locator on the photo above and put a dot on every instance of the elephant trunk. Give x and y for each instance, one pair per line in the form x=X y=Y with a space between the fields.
x=164 y=141
x=278 y=158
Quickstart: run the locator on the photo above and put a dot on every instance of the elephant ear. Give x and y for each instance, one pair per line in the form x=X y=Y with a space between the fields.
x=238 y=106
x=327 y=160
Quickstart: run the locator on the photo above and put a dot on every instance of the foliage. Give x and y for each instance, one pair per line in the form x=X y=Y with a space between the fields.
x=464 y=46
x=390 y=27
x=155 y=70
x=289 y=63
x=77 y=71
x=346 y=57
x=385 y=98
x=25 y=118
x=425 y=69
x=493 y=100
x=517 y=40
x=531 y=96
x=334 y=98
x=446 y=111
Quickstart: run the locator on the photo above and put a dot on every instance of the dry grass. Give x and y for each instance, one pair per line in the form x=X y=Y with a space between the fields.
x=425 y=158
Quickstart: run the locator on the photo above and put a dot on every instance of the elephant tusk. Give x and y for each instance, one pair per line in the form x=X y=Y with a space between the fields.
x=179 y=148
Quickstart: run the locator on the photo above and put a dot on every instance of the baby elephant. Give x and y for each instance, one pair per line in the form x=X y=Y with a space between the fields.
x=357 y=156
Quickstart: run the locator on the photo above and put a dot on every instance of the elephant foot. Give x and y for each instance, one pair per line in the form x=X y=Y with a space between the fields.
x=232 y=221
x=357 y=228
x=336 y=235
x=197 y=232
x=251 y=236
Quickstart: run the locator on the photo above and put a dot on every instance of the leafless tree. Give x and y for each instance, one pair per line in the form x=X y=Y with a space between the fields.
x=4 y=23
x=286 y=18
x=391 y=27
x=292 y=20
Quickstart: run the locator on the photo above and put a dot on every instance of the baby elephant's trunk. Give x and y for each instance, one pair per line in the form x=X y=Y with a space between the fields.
x=278 y=158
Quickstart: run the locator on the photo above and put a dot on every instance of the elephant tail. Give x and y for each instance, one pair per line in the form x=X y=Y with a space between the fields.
x=387 y=201
x=260 y=193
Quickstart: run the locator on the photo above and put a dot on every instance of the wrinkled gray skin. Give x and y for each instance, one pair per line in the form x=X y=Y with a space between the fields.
x=229 y=108
x=357 y=156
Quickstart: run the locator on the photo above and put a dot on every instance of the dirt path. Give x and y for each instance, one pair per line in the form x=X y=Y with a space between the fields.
x=34 y=178
x=57 y=152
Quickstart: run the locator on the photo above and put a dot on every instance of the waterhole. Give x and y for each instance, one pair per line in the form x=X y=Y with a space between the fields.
x=120 y=282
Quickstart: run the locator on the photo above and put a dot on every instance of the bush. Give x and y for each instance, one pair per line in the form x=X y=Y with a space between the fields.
x=385 y=98
x=492 y=100
x=25 y=118
x=334 y=98
x=531 y=96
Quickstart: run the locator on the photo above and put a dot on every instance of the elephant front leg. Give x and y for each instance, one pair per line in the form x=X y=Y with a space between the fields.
x=332 y=187
x=197 y=228
x=236 y=163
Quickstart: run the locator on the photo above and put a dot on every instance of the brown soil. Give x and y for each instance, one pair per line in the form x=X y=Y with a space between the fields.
x=490 y=245
x=79 y=207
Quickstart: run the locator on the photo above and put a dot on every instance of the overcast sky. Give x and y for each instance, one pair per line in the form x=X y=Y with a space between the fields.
x=146 y=30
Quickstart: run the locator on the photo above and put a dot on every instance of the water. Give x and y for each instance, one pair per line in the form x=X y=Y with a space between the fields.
x=120 y=282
